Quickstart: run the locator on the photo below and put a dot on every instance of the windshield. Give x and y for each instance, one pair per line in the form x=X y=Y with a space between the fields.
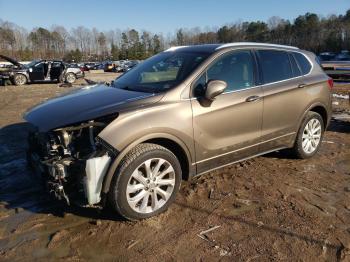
x=32 y=63
x=160 y=72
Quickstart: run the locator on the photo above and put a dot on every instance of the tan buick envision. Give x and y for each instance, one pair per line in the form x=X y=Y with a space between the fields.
x=183 y=112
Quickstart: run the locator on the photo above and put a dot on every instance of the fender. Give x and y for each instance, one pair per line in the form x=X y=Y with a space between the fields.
x=308 y=109
x=110 y=173
x=20 y=73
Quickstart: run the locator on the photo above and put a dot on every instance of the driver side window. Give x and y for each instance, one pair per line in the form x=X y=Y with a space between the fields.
x=235 y=68
x=39 y=67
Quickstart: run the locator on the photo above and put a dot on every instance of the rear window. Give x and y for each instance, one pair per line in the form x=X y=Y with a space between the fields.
x=275 y=65
x=303 y=63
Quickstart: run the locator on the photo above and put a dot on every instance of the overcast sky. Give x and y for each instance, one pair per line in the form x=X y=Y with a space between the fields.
x=158 y=15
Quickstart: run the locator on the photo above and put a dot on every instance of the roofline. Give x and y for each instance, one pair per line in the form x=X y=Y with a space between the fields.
x=236 y=44
x=173 y=48
x=254 y=44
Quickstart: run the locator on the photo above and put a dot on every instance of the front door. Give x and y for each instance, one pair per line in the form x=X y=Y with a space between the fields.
x=229 y=128
x=36 y=72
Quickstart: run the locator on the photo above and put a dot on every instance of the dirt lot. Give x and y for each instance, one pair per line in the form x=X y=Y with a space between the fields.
x=270 y=208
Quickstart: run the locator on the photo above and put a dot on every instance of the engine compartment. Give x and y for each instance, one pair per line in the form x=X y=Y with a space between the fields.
x=60 y=158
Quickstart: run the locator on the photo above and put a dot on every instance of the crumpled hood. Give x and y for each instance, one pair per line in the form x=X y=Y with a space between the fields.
x=12 y=61
x=85 y=104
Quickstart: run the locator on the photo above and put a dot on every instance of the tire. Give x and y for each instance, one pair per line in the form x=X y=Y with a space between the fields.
x=20 y=79
x=309 y=137
x=141 y=198
x=70 y=78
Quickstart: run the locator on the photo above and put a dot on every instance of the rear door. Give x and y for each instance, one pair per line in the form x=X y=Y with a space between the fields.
x=283 y=91
x=229 y=128
x=56 y=70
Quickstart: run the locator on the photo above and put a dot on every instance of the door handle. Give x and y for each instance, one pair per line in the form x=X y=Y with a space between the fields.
x=252 y=98
x=301 y=85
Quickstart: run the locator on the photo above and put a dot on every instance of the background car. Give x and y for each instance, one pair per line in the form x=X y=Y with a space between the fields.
x=40 y=71
x=337 y=66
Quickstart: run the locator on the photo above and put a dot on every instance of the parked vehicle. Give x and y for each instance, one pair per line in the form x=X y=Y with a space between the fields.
x=131 y=64
x=114 y=67
x=110 y=67
x=327 y=56
x=183 y=112
x=40 y=71
x=337 y=66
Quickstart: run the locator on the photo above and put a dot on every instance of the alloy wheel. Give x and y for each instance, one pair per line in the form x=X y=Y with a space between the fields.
x=70 y=78
x=20 y=79
x=150 y=185
x=311 y=135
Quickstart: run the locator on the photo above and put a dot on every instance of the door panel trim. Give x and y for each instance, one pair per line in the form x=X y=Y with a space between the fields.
x=243 y=148
x=240 y=160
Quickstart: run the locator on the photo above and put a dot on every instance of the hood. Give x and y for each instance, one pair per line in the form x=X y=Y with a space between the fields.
x=85 y=104
x=12 y=61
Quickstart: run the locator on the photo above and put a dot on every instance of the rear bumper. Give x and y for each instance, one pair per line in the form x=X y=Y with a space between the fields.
x=80 y=75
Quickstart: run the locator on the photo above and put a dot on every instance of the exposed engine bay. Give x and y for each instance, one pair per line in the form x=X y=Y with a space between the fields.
x=71 y=161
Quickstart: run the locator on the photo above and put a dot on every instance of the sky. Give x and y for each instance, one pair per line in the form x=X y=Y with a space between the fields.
x=158 y=15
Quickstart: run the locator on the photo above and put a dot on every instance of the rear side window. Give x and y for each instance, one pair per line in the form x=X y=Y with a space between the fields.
x=303 y=63
x=295 y=67
x=275 y=65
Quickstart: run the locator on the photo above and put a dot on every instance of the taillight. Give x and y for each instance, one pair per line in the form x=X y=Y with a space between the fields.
x=330 y=83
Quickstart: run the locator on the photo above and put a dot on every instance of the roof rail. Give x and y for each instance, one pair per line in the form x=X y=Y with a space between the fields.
x=173 y=48
x=254 y=44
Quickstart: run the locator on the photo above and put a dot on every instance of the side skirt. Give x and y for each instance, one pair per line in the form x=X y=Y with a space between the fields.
x=237 y=161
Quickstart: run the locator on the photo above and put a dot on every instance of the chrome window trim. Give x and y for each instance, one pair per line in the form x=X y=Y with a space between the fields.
x=253 y=48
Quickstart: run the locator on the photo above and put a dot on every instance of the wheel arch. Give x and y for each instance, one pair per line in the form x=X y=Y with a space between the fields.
x=170 y=142
x=20 y=73
x=321 y=110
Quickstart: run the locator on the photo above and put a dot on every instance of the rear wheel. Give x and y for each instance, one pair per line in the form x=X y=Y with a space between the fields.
x=309 y=136
x=70 y=78
x=19 y=79
x=146 y=182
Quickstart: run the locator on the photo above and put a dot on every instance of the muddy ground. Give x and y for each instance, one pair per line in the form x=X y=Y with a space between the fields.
x=272 y=207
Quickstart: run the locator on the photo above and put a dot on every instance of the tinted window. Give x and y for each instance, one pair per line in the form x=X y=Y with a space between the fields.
x=295 y=67
x=275 y=65
x=236 y=69
x=303 y=63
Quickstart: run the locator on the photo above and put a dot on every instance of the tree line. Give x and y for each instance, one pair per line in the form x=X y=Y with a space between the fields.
x=309 y=31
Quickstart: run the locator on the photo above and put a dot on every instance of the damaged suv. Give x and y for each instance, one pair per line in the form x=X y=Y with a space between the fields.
x=183 y=112
x=40 y=71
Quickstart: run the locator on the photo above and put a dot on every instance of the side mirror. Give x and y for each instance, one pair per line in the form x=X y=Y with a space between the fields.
x=30 y=69
x=214 y=88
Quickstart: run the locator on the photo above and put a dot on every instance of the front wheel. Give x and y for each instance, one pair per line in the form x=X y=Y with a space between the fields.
x=19 y=79
x=146 y=182
x=309 y=136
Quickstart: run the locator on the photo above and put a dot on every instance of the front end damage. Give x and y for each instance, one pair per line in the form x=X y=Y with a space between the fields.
x=72 y=161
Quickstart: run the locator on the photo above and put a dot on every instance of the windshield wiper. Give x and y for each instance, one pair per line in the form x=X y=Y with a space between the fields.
x=139 y=89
